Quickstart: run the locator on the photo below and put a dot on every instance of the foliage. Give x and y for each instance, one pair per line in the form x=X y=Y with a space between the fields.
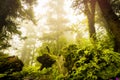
x=11 y=12
x=94 y=64
x=9 y=65
x=2 y=55
x=30 y=72
x=43 y=49
x=33 y=72
x=26 y=73
x=71 y=57
x=52 y=44
x=81 y=61
x=116 y=7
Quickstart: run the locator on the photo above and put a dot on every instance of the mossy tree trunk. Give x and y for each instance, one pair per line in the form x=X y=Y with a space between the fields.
x=112 y=20
x=90 y=13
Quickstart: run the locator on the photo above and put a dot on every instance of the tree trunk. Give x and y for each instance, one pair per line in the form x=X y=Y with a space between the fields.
x=112 y=20
x=90 y=12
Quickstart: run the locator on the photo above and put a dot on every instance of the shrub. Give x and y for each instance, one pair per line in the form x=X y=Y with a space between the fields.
x=93 y=64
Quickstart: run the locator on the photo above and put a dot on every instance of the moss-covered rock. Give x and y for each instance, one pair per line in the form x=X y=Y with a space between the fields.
x=46 y=61
x=10 y=64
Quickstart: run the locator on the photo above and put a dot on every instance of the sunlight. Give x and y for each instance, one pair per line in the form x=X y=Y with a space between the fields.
x=71 y=13
x=40 y=10
x=23 y=30
x=59 y=40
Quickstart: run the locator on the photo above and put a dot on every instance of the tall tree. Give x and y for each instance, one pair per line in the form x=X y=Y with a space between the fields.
x=109 y=12
x=12 y=11
x=56 y=22
x=88 y=8
x=90 y=12
x=112 y=20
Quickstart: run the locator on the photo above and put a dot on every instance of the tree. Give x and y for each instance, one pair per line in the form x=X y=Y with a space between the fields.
x=12 y=11
x=89 y=10
x=28 y=48
x=56 y=22
x=111 y=16
x=112 y=20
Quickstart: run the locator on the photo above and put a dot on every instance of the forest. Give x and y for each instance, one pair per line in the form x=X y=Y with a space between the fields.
x=59 y=39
